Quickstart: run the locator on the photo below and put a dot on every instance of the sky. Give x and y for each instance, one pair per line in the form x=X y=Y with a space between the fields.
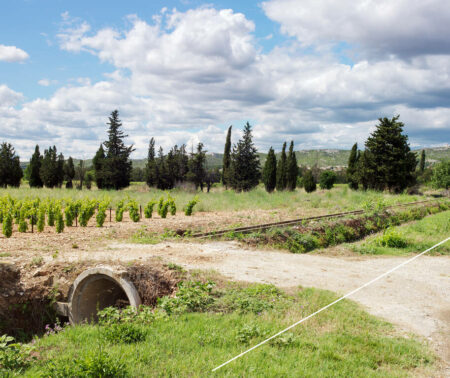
x=318 y=72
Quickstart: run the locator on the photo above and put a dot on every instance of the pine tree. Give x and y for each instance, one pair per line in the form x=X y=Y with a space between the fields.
x=245 y=167
x=309 y=182
x=389 y=162
x=269 y=174
x=117 y=163
x=60 y=170
x=99 y=167
x=226 y=159
x=352 y=176
x=197 y=171
x=150 y=168
x=422 y=162
x=281 y=170
x=69 y=172
x=162 y=171
x=10 y=171
x=35 y=180
x=291 y=169
x=49 y=171
x=80 y=172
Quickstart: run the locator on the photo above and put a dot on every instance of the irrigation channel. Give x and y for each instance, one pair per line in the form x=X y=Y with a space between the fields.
x=293 y=222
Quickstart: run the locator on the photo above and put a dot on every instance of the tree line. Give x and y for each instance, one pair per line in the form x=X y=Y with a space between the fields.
x=386 y=163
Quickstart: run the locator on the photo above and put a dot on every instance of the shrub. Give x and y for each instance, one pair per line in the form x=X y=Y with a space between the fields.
x=441 y=175
x=51 y=213
x=133 y=209
x=119 y=211
x=127 y=333
x=248 y=332
x=101 y=212
x=172 y=205
x=23 y=226
x=7 y=225
x=327 y=179
x=190 y=206
x=59 y=221
x=160 y=204
x=87 y=210
x=148 y=210
x=95 y=363
x=301 y=243
x=391 y=238
x=14 y=356
x=70 y=213
x=41 y=218
x=309 y=183
x=164 y=209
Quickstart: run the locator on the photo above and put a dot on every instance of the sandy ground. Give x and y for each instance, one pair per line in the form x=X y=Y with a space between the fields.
x=416 y=297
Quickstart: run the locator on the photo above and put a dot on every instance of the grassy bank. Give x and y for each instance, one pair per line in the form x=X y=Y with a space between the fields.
x=340 y=198
x=410 y=238
x=208 y=326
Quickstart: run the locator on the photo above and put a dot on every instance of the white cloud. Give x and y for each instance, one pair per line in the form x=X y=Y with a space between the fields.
x=401 y=27
x=47 y=82
x=8 y=97
x=12 y=54
x=179 y=77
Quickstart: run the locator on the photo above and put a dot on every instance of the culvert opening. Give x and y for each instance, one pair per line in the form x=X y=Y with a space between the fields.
x=96 y=289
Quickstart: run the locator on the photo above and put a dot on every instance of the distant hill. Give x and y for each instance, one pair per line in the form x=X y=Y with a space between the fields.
x=323 y=158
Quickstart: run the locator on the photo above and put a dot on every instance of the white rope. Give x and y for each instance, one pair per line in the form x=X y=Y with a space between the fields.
x=332 y=303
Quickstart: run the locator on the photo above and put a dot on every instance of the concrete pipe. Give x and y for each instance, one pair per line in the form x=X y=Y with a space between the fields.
x=95 y=289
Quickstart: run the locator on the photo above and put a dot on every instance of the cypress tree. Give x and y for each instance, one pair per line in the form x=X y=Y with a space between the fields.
x=35 y=180
x=10 y=171
x=269 y=174
x=291 y=169
x=352 y=168
x=309 y=182
x=245 y=167
x=99 y=167
x=422 y=162
x=49 y=168
x=69 y=172
x=150 y=168
x=60 y=170
x=281 y=170
x=390 y=163
x=162 y=172
x=197 y=171
x=117 y=163
x=226 y=159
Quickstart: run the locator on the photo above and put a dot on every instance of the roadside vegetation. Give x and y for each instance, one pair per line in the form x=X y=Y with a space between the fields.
x=205 y=325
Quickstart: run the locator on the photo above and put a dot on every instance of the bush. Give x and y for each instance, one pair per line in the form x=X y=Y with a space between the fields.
x=101 y=212
x=148 y=210
x=51 y=214
x=190 y=206
x=23 y=226
x=172 y=205
x=126 y=333
x=59 y=221
x=327 y=179
x=70 y=213
x=164 y=209
x=309 y=183
x=119 y=211
x=7 y=225
x=94 y=364
x=133 y=209
x=14 y=356
x=441 y=175
x=392 y=239
x=41 y=219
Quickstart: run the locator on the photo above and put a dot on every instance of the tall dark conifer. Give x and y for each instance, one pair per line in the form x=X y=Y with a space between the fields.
x=49 y=168
x=281 y=170
x=69 y=172
x=291 y=169
x=197 y=170
x=150 y=168
x=352 y=167
x=269 y=174
x=117 y=163
x=10 y=171
x=60 y=170
x=99 y=167
x=35 y=167
x=245 y=166
x=422 y=162
x=226 y=159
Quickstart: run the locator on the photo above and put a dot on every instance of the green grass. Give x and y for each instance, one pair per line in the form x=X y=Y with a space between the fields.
x=340 y=198
x=342 y=341
x=419 y=236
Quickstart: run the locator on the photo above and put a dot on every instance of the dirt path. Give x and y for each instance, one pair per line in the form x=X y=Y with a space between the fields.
x=415 y=297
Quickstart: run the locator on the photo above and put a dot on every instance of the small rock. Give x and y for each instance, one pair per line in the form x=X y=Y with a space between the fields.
x=40 y=273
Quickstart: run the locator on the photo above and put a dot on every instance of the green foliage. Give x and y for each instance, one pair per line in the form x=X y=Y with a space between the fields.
x=23 y=226
x=101 y=212
x=98 y=163
x=249 y=332
x=126 y=333
x=309 y=182
x=269 y=174
x=150 y=168
x=41 y=218
x=148 y=209
x=245 y=166
x=142 y=315
x=35 y=180
x=52 y=168
x=95 y=363
x=10 y=170
x=133 y=209
x=51 y=213
x=291 y=169
x=190 y=206
x=119 y=210
x=70 y=212
x=59 y=220
x=7 y=225
x=226 y=163
x=191 y=296
x=441 y=175
x=282 y=170
x=14 y=356
x=197 y=170
x=87 y=210
x=391 y=238
x=172 y=205
x=352 y=167
x=327 y=179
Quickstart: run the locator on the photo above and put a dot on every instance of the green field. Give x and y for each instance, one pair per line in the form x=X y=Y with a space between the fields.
x=342 y=341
